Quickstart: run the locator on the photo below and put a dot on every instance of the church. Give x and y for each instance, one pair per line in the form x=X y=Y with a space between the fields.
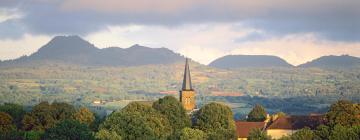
x=187 y=93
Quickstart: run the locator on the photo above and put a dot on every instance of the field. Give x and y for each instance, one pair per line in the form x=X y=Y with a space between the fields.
x=278 y=89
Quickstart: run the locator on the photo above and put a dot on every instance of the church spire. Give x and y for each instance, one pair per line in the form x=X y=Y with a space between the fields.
x=187 y=79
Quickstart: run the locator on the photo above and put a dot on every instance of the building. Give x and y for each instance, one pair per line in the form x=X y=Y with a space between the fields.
x=277 y=127
x=288 y=125
x=187 y=93
x=243 y=128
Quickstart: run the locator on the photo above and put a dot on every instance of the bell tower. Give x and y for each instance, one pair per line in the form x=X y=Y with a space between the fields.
x=187 y=93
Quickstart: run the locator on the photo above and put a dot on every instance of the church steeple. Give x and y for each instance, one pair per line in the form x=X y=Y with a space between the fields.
x=187 y=78
x=187 y=93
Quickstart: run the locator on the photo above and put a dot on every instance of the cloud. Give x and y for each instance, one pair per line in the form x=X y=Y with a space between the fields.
x=26 y=45
x=206 y=42
x=328 y=19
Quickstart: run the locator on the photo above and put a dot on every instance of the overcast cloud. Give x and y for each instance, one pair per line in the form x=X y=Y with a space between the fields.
x=241 y=23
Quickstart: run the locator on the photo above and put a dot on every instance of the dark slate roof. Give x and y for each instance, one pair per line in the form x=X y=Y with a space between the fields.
x=187 y=79
x=243 y=128
x=297 y=122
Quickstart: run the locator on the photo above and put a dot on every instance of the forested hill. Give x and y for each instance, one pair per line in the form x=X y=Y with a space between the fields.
x=75 y=50
x=343 y=61
x=243 y=61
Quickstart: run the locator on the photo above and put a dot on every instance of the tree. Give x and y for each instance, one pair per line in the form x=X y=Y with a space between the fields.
x=6 y=125
x=174 y=111
x=303 y=134
x=322 y=132
x=340 y=132
x=40 y=118
x=343 y=113
x=257 y=134
x=257 y=114
x=69 y=130
x=216 y=120
x=62 y=111
x=107 y=135
x=16 y=111
x=33 y=135
x=192 y=134
x=84 y=115
x=138 y=121
x=44 y=115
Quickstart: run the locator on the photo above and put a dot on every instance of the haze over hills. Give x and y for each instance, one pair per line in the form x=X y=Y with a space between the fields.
x=75 y=50
x=343 y=61
x=241 y=61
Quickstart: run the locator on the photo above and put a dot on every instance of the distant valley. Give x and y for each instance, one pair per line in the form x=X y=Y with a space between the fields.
x=71 y=69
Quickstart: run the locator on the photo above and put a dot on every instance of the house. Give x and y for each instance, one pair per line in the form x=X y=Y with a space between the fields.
x=243 y=128
x=288 y=125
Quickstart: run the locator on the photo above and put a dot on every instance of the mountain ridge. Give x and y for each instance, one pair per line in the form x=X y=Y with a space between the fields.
x=75 y=50
x=244 y=61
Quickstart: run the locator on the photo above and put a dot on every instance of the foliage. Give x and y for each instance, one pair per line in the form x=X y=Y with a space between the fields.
x=33 y=135
x=192 y=134
x=16 y=111
x=6 y=125
x=257 y=134
x=62 y=110
x=322 y=132
x=107 y=135
x=138 y=121
x=257 y=114
x=340 y=132
x=44 y=115
x=303 y=134
x=216 y=120
x=69 y=130
x=343 y=113
x=170 y=107
x=84 y=115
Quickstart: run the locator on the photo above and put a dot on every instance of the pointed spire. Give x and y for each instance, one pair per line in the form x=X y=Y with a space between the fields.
x=187 y=79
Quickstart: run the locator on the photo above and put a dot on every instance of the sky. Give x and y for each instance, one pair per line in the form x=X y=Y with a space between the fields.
x=297 y=31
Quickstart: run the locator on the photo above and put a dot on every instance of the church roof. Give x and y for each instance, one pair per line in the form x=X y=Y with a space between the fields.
x=187 y=79
x=297 y=122
x=243 y=128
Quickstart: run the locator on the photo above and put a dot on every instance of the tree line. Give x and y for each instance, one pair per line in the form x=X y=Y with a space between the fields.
x=163 y=119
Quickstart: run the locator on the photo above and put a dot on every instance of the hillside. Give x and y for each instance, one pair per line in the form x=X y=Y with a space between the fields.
x=331 y=61
x=75 y=50
x=244 y=61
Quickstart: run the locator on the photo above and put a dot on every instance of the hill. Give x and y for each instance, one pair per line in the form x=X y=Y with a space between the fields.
x=243 y=61
x=75 y=50
x=331 y=61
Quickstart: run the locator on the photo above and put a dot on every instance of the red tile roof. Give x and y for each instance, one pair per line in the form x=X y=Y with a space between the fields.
x=297 y=122
x=243 y=128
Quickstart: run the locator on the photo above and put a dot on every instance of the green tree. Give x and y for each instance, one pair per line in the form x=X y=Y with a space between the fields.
x=40 y=118
x=33 y=135
x=216 y=120
x=322 y=132
x=69 y=130
x=174 y=111
x=257 y=134
x=16 y=111
x=62 y=111
x=107 y=135
x=84 y=115
x=6 y=124
x=192 y=134
x=138 y=121
x=257 y=114
x=303 y=134
x=343 y=113
x=340 y=132
x=45 y=115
